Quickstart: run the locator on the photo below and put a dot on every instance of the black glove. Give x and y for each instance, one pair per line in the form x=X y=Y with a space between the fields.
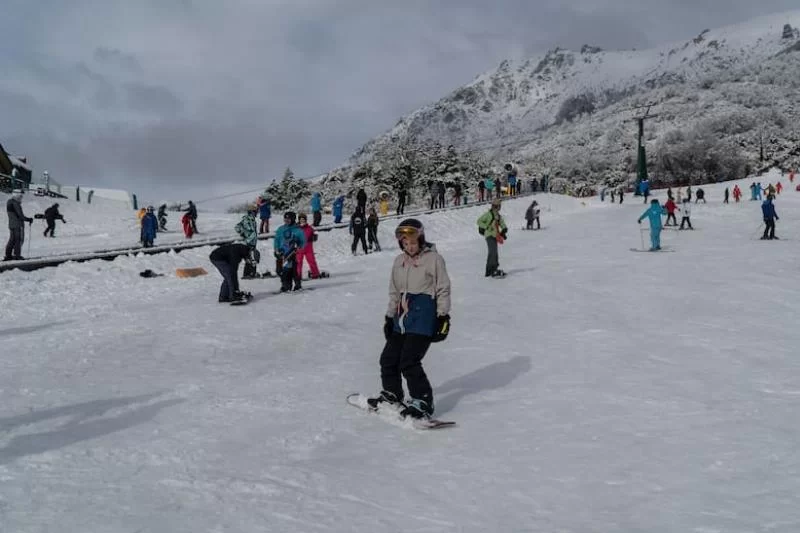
x=277 y=254
x=442 y=328
x=388 y=327
x=30 y=220
x=504 y=233
x=314 y=238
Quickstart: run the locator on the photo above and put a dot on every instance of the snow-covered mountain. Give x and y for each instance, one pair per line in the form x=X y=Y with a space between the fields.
x=570 y=114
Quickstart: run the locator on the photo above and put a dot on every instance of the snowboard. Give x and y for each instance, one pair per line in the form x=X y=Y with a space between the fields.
x=247 y=299
x=391 y=414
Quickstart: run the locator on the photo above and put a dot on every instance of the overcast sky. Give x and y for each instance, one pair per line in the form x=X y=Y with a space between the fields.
x=192 y=97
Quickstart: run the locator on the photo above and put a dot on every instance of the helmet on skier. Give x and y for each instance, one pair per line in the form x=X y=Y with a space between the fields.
x=149 y=208
x=290 y=216
x=410 y=227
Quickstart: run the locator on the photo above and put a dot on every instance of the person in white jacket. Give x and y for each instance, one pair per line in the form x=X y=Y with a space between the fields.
x=686 y=211
x=418 y=314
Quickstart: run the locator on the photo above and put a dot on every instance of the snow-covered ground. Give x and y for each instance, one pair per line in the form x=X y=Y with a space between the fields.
x=595 y=389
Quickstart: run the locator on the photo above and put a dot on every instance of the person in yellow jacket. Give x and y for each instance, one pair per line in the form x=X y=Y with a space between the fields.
x=493 y=228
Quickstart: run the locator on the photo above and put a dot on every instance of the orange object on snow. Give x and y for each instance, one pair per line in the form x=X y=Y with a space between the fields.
x=190 y=272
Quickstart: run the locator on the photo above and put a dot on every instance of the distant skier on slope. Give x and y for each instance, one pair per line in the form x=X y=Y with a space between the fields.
x=306 y=253
x=247 y=229
x=493 y=228
x=358 y=229
x=670 y=207
x=654 y=214
x=338 y=209
x=686 y=210
x=532 y=215
x=372 y=230
x=418 y=314
x=51 y=214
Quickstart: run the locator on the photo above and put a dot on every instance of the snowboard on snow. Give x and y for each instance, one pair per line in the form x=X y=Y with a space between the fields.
x=247 y=297
x=392 y=415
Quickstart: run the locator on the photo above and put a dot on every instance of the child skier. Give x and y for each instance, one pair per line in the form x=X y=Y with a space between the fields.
x=307 y=251
x=671 y=208
x=358 y=229
x=686 y=209
x=418 y=314
x=493 y=228
x=226 y=259
x=186 y=223
x=532 y=214
x=372 y=230
x=288 y=240
x=654 y=214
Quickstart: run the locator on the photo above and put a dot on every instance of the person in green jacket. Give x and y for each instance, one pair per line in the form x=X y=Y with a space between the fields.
x=493 y=228
x=247 y=228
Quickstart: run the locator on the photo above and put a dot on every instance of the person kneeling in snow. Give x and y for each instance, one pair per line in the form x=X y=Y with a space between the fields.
x=418 y=314
x=654 y=214
x=226 y=259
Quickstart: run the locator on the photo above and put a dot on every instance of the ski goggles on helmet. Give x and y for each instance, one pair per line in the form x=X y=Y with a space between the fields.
x=407 y=231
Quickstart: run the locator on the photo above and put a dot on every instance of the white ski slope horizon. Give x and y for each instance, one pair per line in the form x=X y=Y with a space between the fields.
x=595 y=389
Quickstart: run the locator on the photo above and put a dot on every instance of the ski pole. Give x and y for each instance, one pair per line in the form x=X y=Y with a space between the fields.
x=641 y=236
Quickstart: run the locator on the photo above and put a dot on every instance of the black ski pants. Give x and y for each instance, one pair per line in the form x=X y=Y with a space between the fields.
x=372 y=237
x=402 y=356
x=317 y=218
x=51 y=228
x=531 y=221
x=359 y=236
x=769 y=230
x=290 y=275
x=401 y=205
x=685 y=220
x=16 y=237
x=230 y=280
x=671 y=216
x=492 y=262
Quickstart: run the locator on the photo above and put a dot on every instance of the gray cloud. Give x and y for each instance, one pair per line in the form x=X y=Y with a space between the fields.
x=176 y=96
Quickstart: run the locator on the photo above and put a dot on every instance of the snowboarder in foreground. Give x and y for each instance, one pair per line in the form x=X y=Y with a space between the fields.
x=770 y=216
x=226 y=259
x=418 y=314
x=16 y=226
x=654 y=214
x=288 y=240
x=51 y=214
x=493 y=228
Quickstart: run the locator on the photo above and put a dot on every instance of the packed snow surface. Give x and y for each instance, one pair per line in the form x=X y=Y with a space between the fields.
x=595 y=389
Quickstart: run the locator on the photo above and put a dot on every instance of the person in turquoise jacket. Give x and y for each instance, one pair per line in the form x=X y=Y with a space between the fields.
x=316 y=209
x=288 y=239
x=654 y=214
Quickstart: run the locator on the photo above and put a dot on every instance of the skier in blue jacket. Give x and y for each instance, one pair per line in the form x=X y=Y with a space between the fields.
x=288 y=239
x=149 y=227
x=770 y=216
x=338 y=208
x=316 y=209
x=264 y=213
x=654 y=214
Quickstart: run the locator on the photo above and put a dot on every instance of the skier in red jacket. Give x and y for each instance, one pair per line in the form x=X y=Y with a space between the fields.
x=671 y=207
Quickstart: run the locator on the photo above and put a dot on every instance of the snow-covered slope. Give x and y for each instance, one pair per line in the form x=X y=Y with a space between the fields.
x=719 y=97
x=595 y=389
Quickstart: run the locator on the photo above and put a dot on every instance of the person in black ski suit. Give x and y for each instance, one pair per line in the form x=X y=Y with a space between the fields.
x=418 y=315
x=16 y=226
x=358 y=229
x=51 y=214
x=401 y=199
x=192 y=210
x=226 y=259
x=162 y=217
x=361 y=200
x=372 y=230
